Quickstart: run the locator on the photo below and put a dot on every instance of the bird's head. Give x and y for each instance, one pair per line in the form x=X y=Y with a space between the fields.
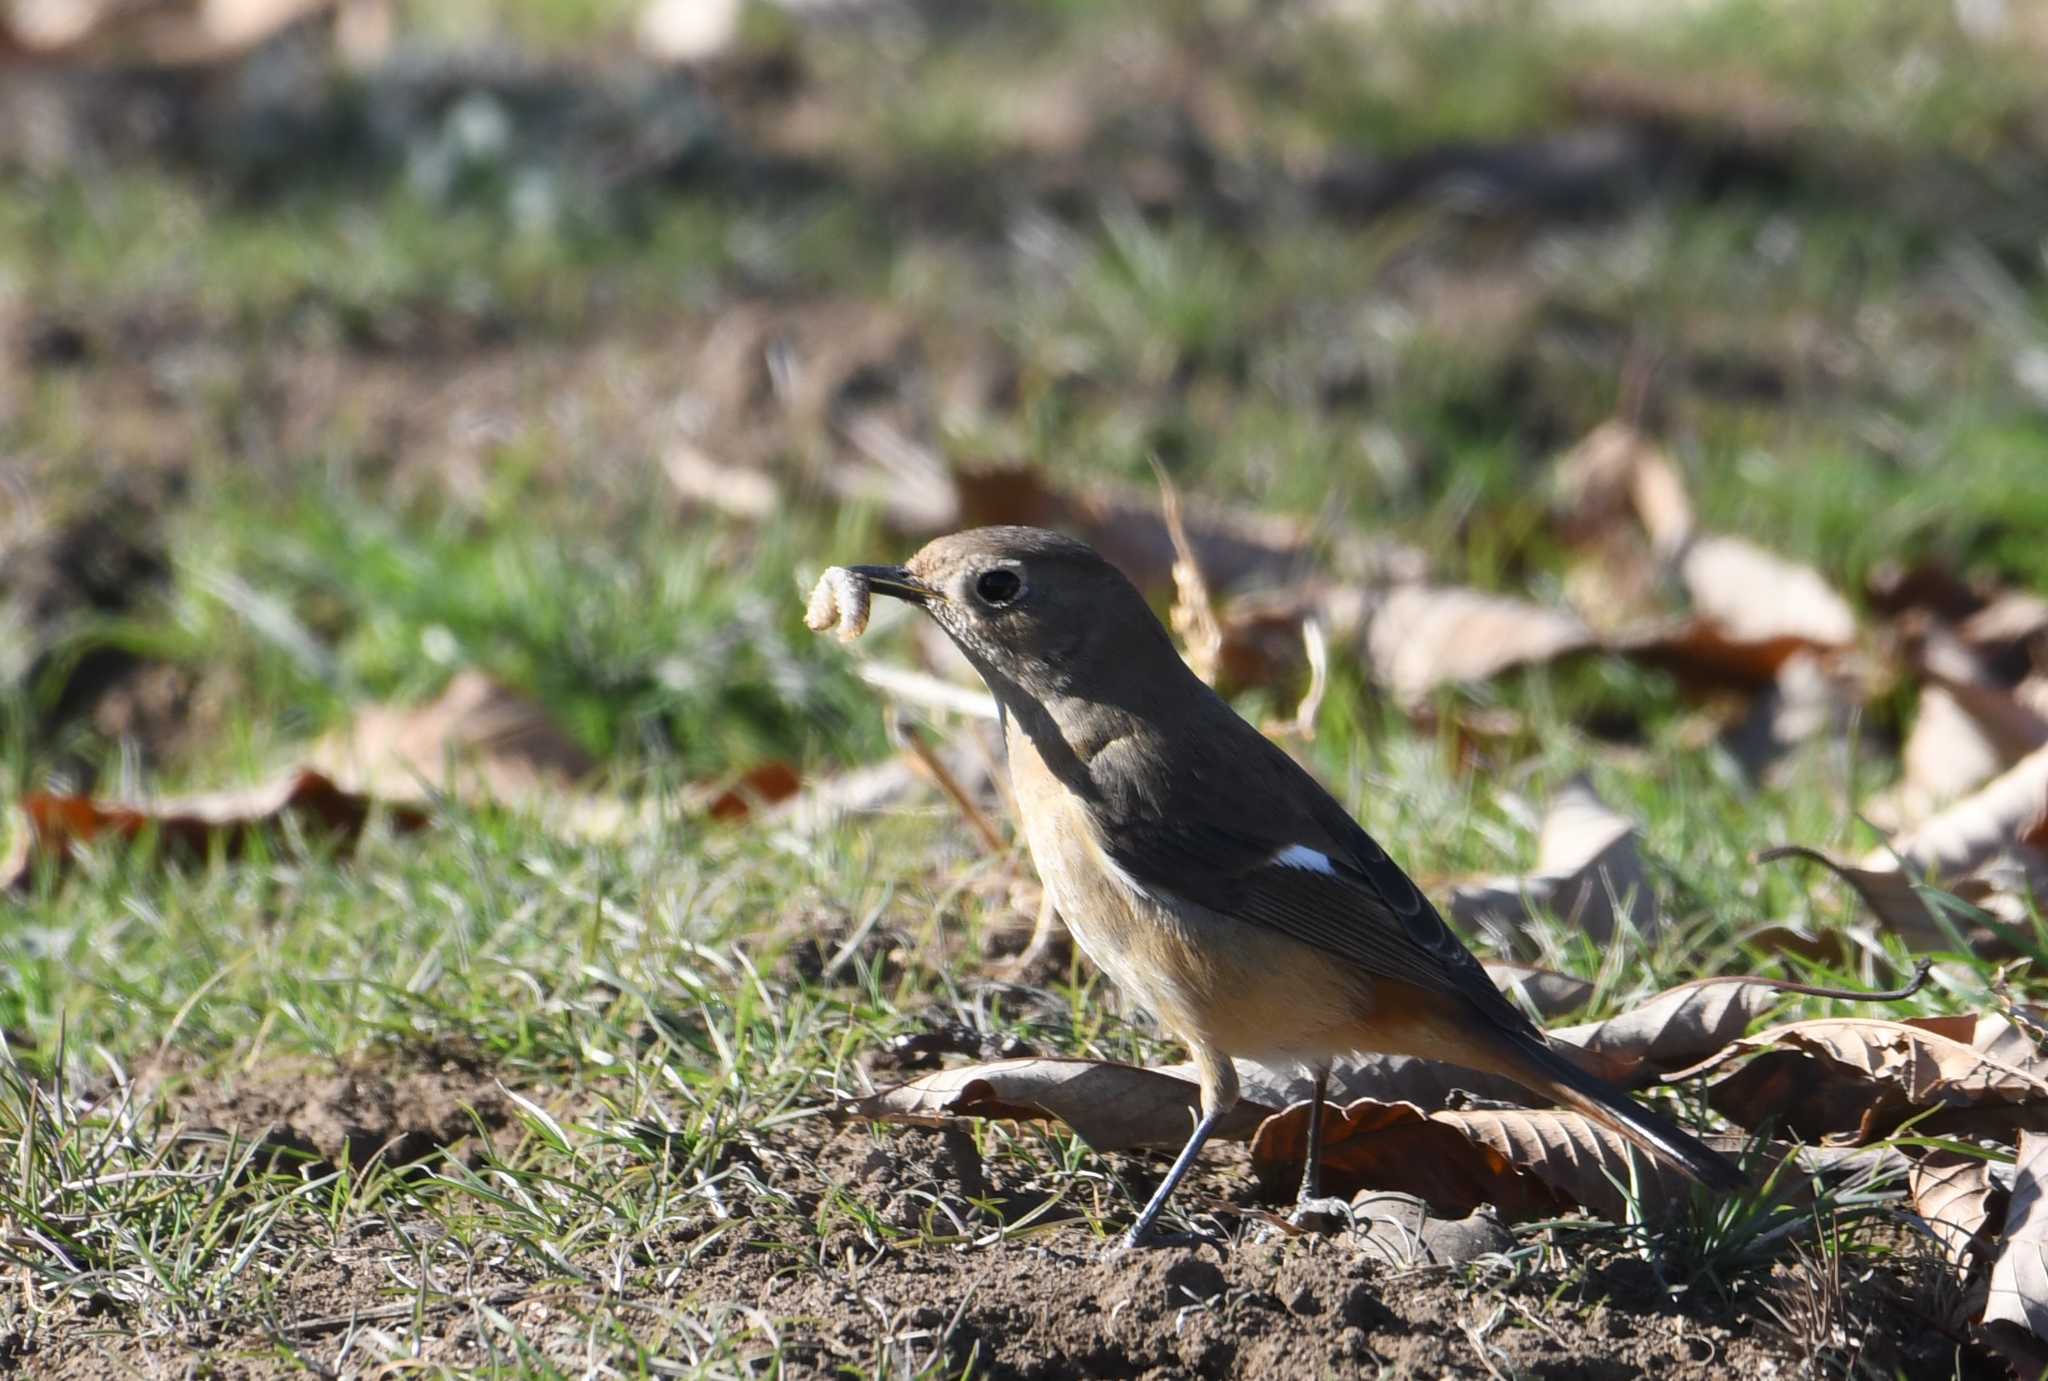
x=1027 y=606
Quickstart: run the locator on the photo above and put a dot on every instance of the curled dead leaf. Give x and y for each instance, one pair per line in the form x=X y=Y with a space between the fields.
x=1853 y=1079
x=1526 y=1163
x=1588 y=874
x=1676 y=1028
x=479 y=740
x=2019 y=1275
x=1397 y=1147
x=1112 y=1107
x=191 y=826
x=1960 y=1198
x=1423 y=637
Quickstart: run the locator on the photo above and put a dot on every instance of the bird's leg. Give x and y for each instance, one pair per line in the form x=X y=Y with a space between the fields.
x=1141 y=1231
x=1311 y=1209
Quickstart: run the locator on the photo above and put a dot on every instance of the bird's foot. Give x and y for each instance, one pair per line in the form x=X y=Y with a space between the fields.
x=1126 y=1243
x=1322 y=1215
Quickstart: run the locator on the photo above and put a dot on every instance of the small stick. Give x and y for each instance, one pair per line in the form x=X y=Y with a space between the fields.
x=922 y=688
x=1194 y=609
x=977 y=818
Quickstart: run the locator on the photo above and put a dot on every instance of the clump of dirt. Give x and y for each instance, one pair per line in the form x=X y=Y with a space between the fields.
x=353 y=1117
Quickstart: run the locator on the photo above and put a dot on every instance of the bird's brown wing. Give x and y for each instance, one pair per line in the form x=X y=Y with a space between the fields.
x=1344 y=896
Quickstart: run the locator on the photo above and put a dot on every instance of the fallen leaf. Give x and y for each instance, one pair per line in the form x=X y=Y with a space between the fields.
x=1752 y=610
x=480 y=740
x=1577 y=1158
x=1853 y=1079
x=1703 y=653
x=1958 y=1197
x=704 y=481
x=1400 y=1230
x=1901 y=902
x=1992 y=844
x=1587 y=865
x=2011 y=619
x=1422 y=637
x=1753 y=597
x=1111 y=1106
x=191 y=826
x=1802 y=703
x=766 y=784
x=1526 y=1163
x=2019 y=1274
x=1678 y=1027
x=2012 y=808
x=1399 y=1148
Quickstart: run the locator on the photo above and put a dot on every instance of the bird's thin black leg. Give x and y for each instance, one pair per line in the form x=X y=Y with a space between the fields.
x=1312 y=1167
x=1142 y=1229
x=1311 y=1209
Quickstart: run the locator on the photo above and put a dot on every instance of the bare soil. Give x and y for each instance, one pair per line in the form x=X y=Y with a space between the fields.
x=1046 y=1302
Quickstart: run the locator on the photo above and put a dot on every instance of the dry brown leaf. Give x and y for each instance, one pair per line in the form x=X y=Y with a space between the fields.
x=2019 y=1275
x=2010 y=809
x=763 y=785
x=1802 y=704
x=191 y=826
x=2012 y=618
x=1678 y=1027
x=1423 y=637
x=1702 y=653
x=1959 y=1198
x=1946 y=755
x=1614 y=469
x=479 y=740
x=1578 y=1158
x=1587 y=863
x=1895 y=899
x=1990 y=846
x=1969 y=727
x=1527 y=1163
x=1852 y=1079
x=1112 y=1107
x=702 y=480
x=1753 y=597
x=1752 y=610
x=1371 y=1145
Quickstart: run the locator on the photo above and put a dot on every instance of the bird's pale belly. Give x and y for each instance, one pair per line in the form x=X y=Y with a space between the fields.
x=1211 y=980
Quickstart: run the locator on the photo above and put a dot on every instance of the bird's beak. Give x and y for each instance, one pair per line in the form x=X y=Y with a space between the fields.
x=897 y=581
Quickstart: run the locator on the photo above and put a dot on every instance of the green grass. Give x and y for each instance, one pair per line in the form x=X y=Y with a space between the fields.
x=642 y=998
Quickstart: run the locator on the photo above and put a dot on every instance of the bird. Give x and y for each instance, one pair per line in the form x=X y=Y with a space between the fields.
x=1207 y=872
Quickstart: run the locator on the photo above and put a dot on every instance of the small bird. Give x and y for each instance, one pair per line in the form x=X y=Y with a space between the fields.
x=1200 y=866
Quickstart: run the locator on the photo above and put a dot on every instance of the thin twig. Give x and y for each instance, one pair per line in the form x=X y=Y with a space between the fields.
x=1194 y=610
x=977 y=818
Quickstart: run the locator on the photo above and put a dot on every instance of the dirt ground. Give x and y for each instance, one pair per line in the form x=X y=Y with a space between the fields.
x=1048 y=1301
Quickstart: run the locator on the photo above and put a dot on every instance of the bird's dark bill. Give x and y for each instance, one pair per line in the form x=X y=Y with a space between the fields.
x=897 y=581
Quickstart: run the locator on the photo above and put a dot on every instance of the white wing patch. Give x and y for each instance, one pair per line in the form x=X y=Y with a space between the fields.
x=1303 y=857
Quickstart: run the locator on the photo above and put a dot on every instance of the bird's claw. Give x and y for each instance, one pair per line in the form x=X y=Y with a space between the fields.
x=1323 y=1215
x=1126 y=1243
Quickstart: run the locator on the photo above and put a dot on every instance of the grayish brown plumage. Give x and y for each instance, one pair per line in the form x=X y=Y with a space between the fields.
x=1202 y=868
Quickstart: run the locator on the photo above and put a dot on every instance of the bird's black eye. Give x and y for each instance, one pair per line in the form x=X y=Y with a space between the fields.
x=999 y=586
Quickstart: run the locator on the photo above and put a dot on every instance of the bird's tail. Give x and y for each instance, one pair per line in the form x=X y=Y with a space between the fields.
x=1549 y=1071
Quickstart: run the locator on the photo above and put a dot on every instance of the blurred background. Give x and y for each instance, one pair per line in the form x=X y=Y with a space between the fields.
x=348 y=346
